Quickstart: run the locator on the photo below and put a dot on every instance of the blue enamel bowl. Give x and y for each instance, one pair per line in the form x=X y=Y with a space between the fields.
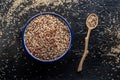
x=40 y=14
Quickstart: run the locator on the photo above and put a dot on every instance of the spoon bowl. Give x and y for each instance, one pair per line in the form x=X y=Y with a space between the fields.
x=92 y=21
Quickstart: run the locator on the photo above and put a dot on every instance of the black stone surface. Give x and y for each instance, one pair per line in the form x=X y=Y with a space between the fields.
x=102 y=62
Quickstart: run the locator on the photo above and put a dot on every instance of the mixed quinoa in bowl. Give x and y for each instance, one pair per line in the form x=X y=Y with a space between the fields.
x=47 y=36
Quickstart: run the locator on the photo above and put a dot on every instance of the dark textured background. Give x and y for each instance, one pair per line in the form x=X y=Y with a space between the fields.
x=102 y=62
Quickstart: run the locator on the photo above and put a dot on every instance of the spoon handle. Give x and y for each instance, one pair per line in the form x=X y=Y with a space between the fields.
x=85 y=51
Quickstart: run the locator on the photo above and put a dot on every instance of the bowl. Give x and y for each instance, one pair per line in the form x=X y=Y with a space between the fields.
x=30 y=50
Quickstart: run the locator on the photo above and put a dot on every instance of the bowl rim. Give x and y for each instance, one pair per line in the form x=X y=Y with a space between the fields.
x=44 y=13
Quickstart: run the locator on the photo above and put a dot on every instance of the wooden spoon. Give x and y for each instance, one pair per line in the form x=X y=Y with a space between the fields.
x=91 y=22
